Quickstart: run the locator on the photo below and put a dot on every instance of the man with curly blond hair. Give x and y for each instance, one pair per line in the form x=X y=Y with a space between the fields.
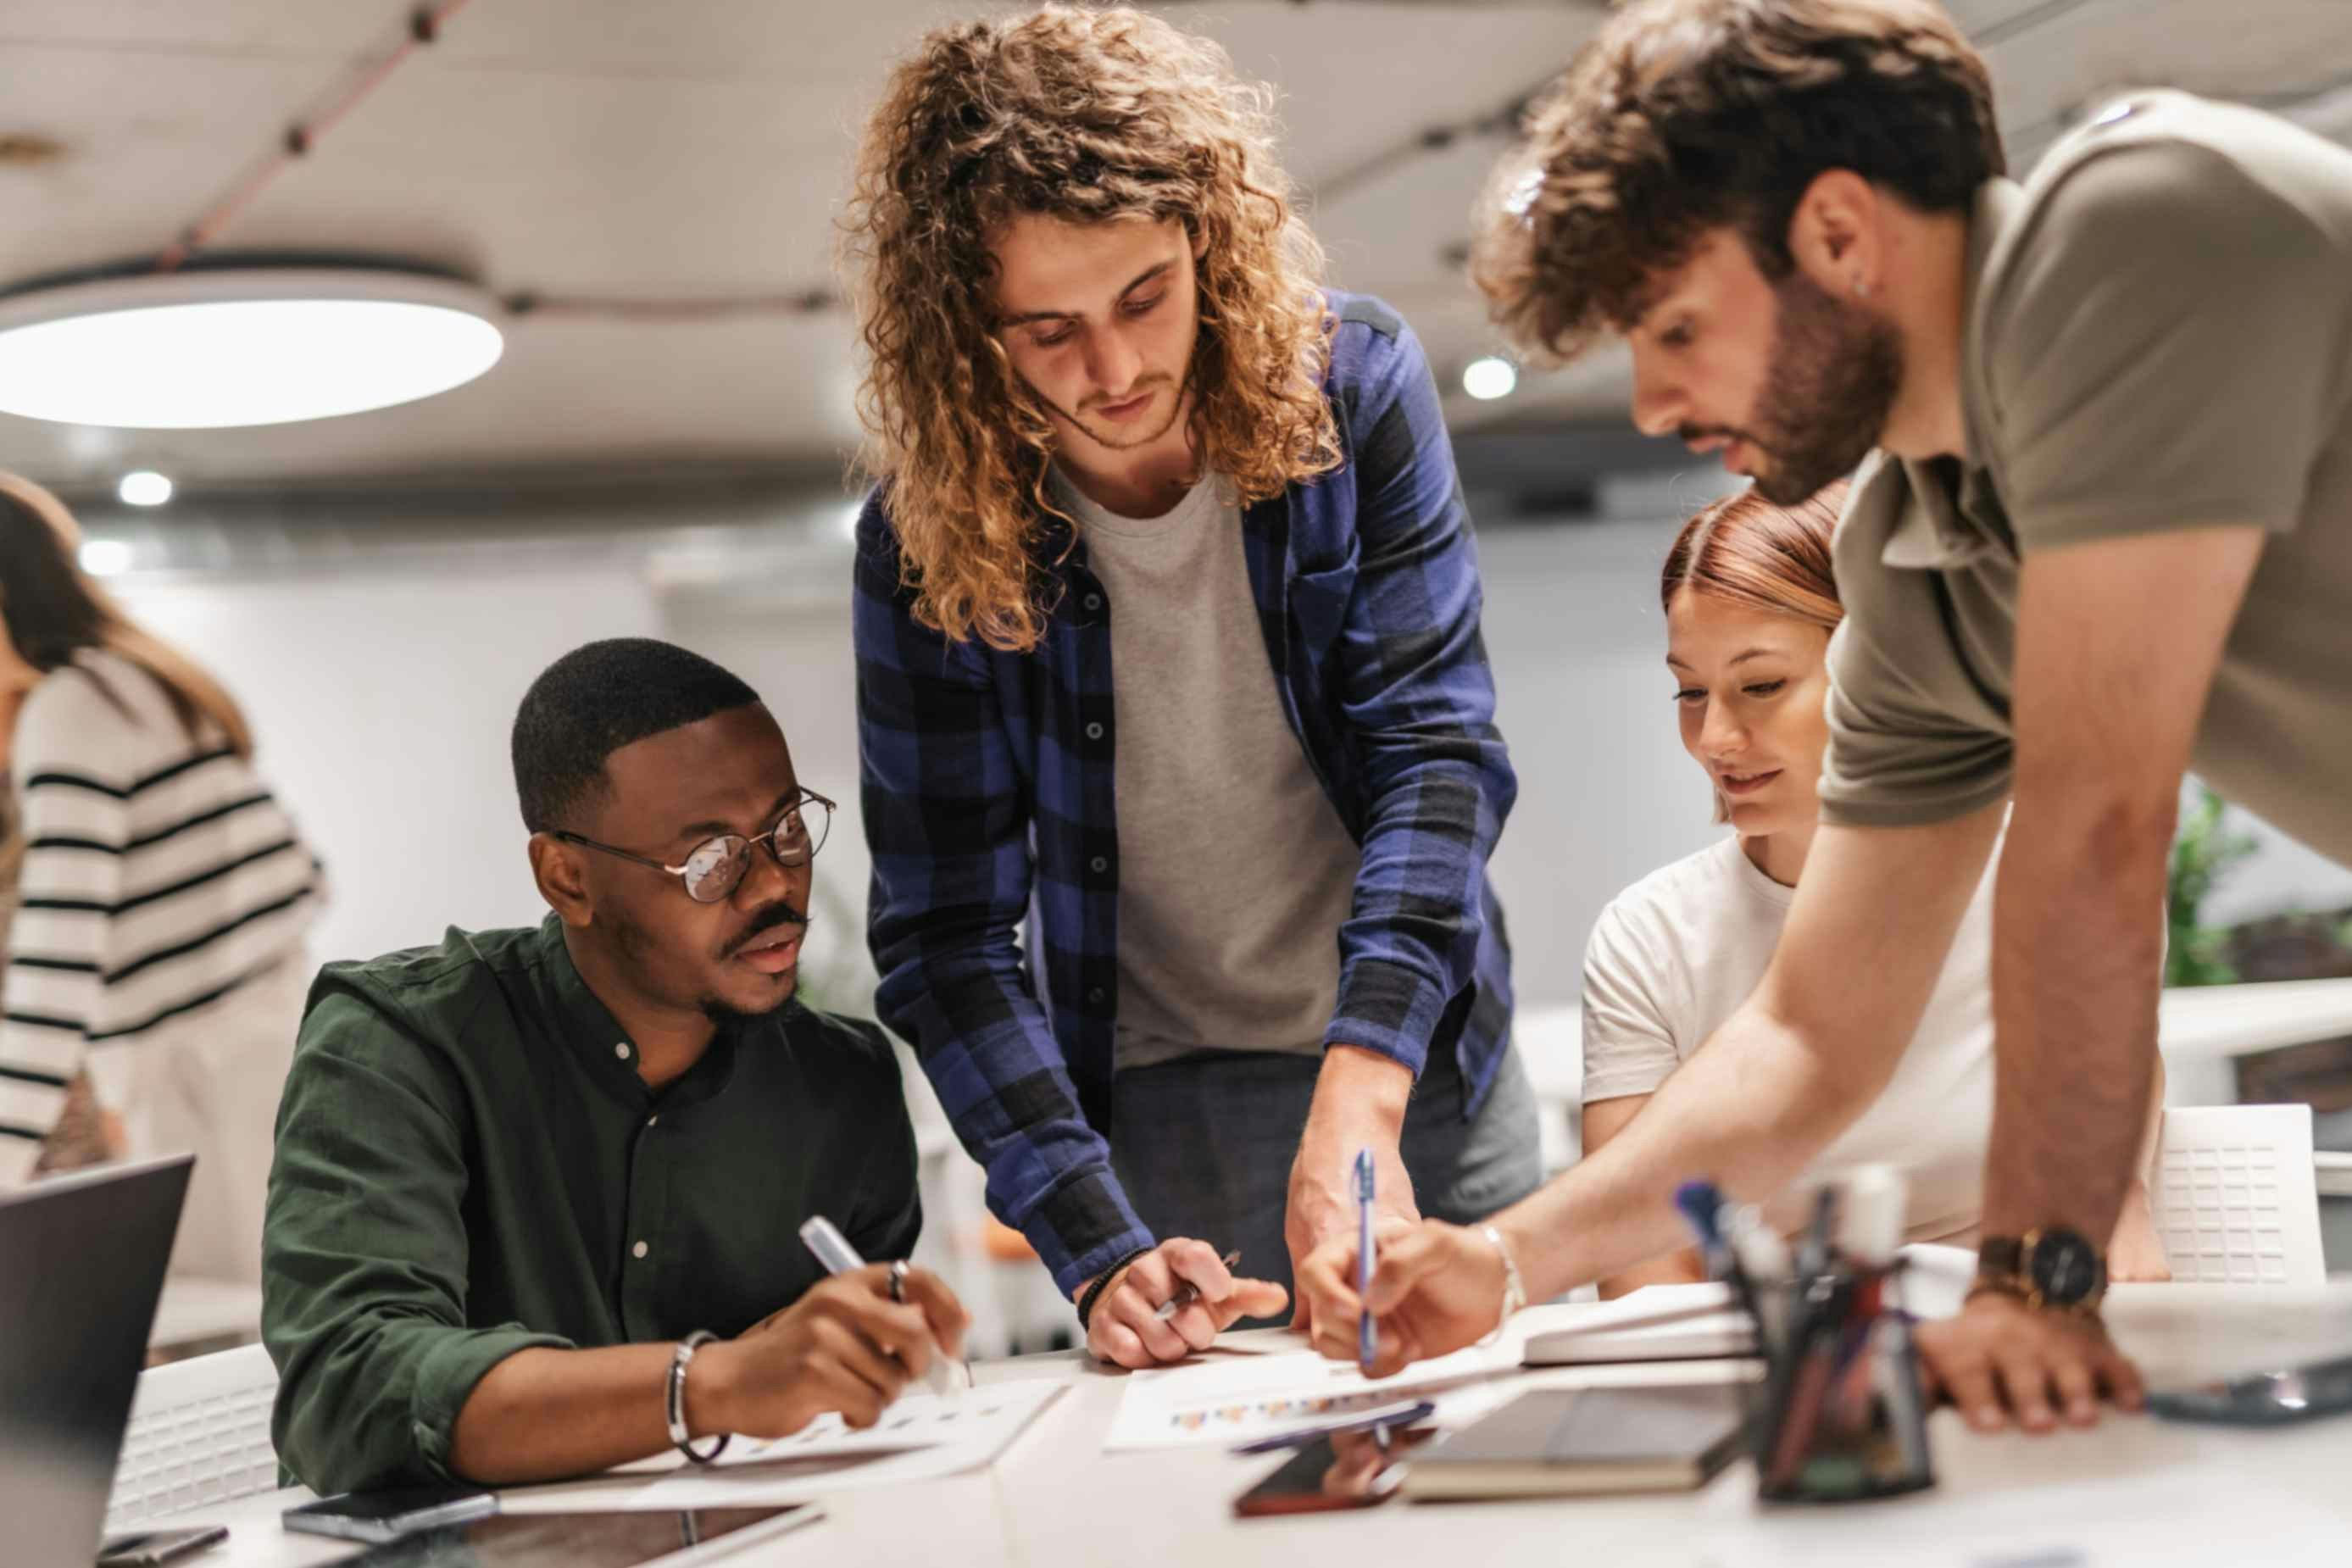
x=2106 y=533
x=1167 y=632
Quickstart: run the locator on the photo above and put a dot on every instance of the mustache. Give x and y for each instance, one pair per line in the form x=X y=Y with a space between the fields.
x=1687 y=434
x=1152 y=384
x=779 y=913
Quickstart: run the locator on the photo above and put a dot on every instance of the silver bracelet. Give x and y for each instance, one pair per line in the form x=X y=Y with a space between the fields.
x=680 y=1359
x=1515 y=1289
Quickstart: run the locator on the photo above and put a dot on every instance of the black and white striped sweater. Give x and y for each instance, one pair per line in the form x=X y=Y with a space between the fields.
x=158 y=875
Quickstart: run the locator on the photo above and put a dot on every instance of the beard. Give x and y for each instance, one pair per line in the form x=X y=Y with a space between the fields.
x=642 y=957
x=720 y=1011
x=1835 y=373
x=1110 y=439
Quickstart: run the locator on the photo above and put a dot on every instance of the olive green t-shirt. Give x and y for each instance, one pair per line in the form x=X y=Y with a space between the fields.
x=2158 y=337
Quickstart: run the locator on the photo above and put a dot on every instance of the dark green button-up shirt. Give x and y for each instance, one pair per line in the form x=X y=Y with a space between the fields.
x=469 y=1163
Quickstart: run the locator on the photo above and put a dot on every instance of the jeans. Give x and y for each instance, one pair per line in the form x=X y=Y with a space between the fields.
x=1203 y=1145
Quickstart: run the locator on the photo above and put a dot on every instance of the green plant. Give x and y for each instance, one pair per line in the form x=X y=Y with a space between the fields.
x=2202 y=853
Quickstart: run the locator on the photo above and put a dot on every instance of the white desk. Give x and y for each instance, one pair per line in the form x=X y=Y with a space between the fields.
x=2214 y=1022
x=1056 y=1500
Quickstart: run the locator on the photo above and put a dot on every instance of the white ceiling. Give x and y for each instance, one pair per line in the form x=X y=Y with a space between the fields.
x=696 y=149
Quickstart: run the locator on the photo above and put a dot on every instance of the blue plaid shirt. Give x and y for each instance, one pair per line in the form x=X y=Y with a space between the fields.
x=987 y=785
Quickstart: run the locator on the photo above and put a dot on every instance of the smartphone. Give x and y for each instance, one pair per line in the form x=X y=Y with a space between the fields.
x=2263 y=1398
x=1404 y=1413
x=1344 y=1471
x=152 y=1548
x=389 y=1515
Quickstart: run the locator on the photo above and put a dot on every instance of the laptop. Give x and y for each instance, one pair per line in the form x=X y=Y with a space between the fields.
x=81 y=1266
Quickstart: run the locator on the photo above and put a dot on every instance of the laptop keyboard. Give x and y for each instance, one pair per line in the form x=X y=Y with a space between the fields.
x=205 y=1452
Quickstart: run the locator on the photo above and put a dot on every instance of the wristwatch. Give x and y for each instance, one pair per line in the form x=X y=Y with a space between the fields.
x=2053 y=1267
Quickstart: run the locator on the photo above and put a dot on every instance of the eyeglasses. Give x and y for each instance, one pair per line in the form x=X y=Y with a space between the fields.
x=714 y=868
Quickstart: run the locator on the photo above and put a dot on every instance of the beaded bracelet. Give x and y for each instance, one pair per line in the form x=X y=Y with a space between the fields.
x=1102 y=1281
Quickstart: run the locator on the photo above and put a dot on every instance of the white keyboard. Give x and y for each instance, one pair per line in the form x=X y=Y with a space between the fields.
x=199 y=1434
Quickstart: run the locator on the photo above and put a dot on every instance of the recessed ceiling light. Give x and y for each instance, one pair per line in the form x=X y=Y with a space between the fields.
x=144 y=486
x=1485 y=379
x=105 y=557
x=245 y=345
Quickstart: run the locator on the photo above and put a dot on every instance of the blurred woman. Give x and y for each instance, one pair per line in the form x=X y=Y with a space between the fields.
x=1751 y=604
x=162 y=898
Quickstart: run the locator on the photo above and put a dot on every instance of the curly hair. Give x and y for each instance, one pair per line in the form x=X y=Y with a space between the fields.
x=1086 y=116
x=1682 y=117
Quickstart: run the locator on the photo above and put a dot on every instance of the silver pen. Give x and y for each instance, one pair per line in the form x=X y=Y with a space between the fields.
x=833 y=1249
x=1187 y=1292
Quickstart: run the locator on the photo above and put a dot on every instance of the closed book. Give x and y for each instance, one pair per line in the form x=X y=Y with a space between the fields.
x=1563 y=1442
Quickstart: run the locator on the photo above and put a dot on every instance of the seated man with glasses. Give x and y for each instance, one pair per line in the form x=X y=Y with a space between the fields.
x=537 y=1194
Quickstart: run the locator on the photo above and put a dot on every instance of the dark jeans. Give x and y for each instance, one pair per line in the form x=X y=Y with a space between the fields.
x=1203 y=1145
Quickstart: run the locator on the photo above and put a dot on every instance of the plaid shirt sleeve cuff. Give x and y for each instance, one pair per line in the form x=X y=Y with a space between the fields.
x=1083 y=1227
x=1388 y=1007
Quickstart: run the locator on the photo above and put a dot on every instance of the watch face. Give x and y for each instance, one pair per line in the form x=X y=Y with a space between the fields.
x=2065 y=1268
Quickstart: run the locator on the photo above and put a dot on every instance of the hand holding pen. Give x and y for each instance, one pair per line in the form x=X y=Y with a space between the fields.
x=944 y=1373
x=1188 y=1293
x=850 y=1344
x=1173 y=1301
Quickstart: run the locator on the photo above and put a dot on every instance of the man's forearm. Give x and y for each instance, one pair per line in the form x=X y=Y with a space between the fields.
x=1748 y=1112
x=542 y=1414
x=2077 y=958
x=1362 y=1089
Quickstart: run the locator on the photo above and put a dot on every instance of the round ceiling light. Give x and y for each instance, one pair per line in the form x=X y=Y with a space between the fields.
x=144 y=486
x=1485 y=379
x=242 y=346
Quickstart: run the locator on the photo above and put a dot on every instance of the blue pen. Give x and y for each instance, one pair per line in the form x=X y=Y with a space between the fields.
x=1366 y=1331
x=1703 y=1205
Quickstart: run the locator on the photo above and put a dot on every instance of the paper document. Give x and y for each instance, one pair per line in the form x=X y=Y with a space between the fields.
x=1221 y=1401
x=920 y=1437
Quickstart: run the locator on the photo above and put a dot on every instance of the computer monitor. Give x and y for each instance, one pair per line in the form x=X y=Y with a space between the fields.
x=82 y=1265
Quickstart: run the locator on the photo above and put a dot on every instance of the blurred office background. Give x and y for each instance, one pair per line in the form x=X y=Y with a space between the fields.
x=644 y=193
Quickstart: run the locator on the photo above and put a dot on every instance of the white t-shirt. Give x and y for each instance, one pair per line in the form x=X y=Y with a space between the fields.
x=1677 y=953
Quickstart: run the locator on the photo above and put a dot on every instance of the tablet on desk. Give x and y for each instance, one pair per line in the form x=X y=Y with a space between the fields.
x=584 y=1540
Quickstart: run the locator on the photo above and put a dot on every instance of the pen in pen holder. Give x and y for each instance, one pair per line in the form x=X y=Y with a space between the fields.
x=1839 y=1415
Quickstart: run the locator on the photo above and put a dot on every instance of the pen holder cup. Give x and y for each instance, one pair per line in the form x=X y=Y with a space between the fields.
x=1839 y=1416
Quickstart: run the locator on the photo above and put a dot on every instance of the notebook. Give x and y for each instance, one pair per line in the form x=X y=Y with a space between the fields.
x=1558 y=1442
x=1662 y=1323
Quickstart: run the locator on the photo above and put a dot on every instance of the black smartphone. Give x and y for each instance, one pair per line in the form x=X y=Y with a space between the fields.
x=389 y=1515
x=2263 y=1398
x=1346 y=1469
x=153 y=1548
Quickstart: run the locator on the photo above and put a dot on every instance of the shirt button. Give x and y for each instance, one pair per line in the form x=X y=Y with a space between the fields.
x=1094 y=730
x=639 y=1250
x=1099 y=864
x=1095 y=994
x=622 y=1050
x=1094 y=601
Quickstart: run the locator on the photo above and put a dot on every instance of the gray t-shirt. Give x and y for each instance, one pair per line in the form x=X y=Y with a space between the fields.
x=2158 y=337
x=1235 y=870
